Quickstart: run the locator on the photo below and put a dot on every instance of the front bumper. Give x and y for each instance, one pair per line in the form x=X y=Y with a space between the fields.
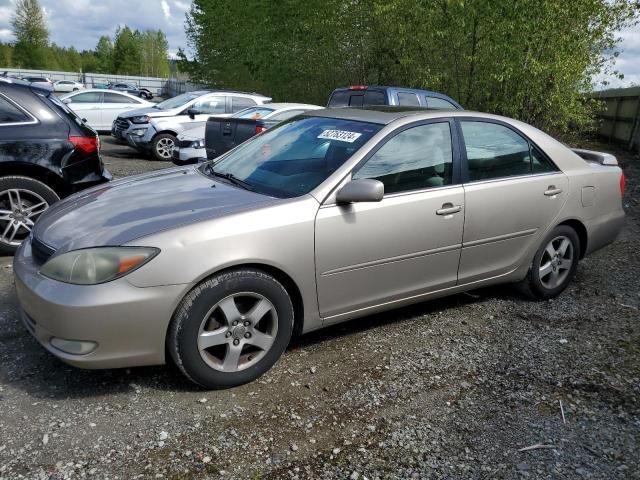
x=127 y=324
x=188 y=155
x=137 y=135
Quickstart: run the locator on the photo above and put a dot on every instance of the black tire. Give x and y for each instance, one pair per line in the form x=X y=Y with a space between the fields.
x=196 y=307
x=533 y=285
x=76 y=89
x=158 y=147
x=30 y=185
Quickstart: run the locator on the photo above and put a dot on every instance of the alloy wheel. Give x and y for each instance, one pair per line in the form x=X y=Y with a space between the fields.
x=237 y=332
x=556 y=262
x=164 y=147
x=19 y=210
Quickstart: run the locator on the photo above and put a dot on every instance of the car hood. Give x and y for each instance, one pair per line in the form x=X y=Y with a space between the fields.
x=151 y=111
x=123 y=211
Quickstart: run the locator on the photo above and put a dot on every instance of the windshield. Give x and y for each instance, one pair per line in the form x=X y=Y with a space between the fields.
x=178 y=101
x=295 y=157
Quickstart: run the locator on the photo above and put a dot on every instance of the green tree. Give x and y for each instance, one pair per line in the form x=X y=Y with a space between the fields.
x=155 y=62
x=6 y=55
x=127 y=52
x=32 y=35
x=104 y=55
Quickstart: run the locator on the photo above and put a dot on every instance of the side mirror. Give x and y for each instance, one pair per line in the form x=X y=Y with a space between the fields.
x=192 y=112
x=84 y=120
x=362 y=190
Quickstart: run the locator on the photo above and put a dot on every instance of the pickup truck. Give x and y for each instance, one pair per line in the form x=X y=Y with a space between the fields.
x=223 y=134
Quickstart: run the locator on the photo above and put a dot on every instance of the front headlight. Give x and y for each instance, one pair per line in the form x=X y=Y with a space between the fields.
x=140 y=119
x=197 y=143
x=92 y=266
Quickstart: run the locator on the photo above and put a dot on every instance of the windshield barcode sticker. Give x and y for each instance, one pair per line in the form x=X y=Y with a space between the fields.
x=340 y=135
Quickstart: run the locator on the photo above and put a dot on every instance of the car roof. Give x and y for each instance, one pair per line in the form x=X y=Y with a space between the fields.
x=385 y=115
x=20 y=83
x=101 y=90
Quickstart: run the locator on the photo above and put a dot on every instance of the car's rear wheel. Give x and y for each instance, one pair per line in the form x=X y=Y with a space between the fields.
x=554 y=264
x=162 y=146
x=22 y=201
x=231 y=328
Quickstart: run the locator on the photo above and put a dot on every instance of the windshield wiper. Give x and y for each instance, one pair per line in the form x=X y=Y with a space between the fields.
x=232 y=179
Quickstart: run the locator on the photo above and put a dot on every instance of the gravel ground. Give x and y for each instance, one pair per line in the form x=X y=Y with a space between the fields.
x=453 y=388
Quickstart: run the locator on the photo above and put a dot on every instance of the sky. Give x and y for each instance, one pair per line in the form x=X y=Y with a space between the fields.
x=80 y=23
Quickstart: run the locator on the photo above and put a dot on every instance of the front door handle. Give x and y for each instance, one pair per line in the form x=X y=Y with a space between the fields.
x=552 y=191
x=449 y=209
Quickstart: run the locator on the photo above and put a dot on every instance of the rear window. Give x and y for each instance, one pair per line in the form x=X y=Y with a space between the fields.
x=375 y=97
x=64 y=111
x=340 y=98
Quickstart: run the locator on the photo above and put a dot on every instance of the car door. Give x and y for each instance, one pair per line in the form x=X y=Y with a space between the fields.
x=206 y=107
x=87 y=105
x=407 y=244
x=114 y=104
x=513 y=192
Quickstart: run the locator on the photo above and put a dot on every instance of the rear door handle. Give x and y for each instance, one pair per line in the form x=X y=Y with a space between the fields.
x=552 y=190
x=449 y=209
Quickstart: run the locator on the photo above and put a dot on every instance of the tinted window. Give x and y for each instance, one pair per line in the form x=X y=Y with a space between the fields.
x=294 y=157
x=280 y=116
x=87 y=97
x=9 y=113
x=339 y=99
x=494 y=151
x=115 y=98
x=410 y=99
x=238 y=103
x=212 y=106
x=416 y=158
x=375 y=97
x=439 y=103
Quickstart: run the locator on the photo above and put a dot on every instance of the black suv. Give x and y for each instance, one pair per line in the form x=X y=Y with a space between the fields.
x=46 y=153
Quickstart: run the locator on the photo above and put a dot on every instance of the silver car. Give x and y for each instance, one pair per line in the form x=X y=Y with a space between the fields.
x=333 y=215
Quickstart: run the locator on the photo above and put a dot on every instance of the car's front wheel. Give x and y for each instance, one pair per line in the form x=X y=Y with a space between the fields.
x=162 y=147
x=554 y=264
x=231 y=328
x=22 y=201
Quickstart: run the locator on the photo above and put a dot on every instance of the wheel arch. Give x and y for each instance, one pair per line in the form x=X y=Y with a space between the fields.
x=37 y=172
x=581 y=231
x=166 y=131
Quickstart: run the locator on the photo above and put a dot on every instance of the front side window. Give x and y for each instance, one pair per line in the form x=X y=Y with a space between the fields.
x=211 y=106
x=9 y=113
x=496 y=151
x=87 y=97
x=239 y=103
x=294 y=157
x=408 y=99
x=416 y=158
x=439 y=103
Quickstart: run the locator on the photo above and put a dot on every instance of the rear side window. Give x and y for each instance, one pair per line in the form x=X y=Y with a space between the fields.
x=439 y=103
x=409 y=99
x=495 y=151
x=87 y=97
x=238 y=103
x=115 y=98
x=10 y=113
x=375 y=97
x=212 y=105
x=417 y=158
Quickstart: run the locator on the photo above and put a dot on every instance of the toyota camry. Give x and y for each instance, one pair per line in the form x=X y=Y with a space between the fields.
x=332 y=215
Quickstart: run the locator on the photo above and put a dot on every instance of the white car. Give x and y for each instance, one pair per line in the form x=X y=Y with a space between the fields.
x=189 y=147
x=67 y=86
x=101 y=107
x=154 y=130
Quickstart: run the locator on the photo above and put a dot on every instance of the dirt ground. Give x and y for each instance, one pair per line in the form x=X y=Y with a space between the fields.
x=453 y=388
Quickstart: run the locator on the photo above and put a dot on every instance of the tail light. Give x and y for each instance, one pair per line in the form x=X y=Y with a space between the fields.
x=358 y=87
x=260 y=129
x=86 y=145
x=622 y=184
